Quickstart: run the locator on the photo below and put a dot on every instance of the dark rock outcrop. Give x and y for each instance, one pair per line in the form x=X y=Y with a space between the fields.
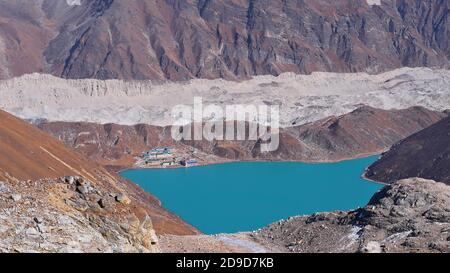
x=177 y=40
x=425 y=154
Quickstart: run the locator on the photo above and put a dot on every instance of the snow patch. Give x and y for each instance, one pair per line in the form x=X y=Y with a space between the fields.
x=73 y=2
x=245 y=244
x=374 y=2
x=4 y=71
x=351 y=239
x=397 y=237
x=373 y=247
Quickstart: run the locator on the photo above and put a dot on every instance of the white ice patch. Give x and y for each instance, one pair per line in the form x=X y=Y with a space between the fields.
x=4 y=71
x=245 y=244
x=73 y=2
x=374 y=2
x=397 y=236
x=351 y=239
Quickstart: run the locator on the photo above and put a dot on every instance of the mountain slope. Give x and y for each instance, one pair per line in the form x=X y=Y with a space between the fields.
x=177 y=40
x=365 y=131
x=31 y=166
x=425 y=154
x=109 y=144
x=29 y=154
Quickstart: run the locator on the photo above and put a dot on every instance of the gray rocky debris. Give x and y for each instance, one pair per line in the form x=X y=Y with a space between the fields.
x=59 y=219
x=123 y=199
x=411 y=215
x=16 y=197
x=3 y=187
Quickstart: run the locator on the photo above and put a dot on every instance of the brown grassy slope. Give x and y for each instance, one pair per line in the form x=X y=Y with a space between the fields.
x=27 y=153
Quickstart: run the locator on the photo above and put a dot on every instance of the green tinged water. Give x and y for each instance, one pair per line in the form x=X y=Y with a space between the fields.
x=247 y=196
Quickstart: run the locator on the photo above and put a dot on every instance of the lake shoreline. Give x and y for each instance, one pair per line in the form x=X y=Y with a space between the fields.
x=338 y=187
x=228 y=161
x=359 y=156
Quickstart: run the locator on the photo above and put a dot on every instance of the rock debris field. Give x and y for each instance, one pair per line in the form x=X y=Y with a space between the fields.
x=302 y=98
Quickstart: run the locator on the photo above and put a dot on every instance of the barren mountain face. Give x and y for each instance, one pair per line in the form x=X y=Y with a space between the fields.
x=176 y=40
x=425 y=154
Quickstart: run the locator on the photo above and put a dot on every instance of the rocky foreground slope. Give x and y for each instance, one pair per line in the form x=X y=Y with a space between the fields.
x=411 y=215
x=365 y=131
x=55 y=200
x=176 y=40
x=425 y=154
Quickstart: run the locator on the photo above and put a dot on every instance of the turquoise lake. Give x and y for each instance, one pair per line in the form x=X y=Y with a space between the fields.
x=246 y=196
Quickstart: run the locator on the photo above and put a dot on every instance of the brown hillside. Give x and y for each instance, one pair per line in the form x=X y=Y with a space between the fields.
x=425 y=154
x=365 y=131
x=27 y=153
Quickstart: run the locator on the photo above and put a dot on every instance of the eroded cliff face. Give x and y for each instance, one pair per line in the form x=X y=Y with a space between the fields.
x=177 y=40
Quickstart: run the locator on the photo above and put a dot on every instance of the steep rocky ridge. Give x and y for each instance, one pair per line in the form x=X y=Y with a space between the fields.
x=425 y=154
x=178 y=40
x=54 y=199
x=365 y=131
